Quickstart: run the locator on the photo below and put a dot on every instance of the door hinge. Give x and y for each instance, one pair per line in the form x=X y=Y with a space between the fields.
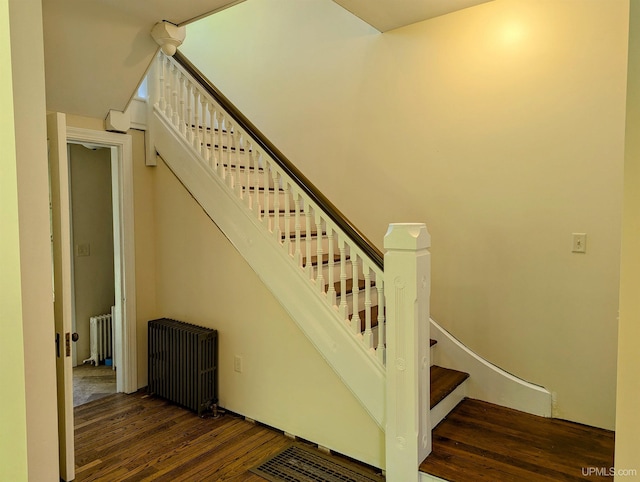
x=67 y=343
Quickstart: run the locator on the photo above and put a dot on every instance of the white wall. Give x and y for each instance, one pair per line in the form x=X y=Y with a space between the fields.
x=38 y=398
x=627 y=415
x=500 y=126
x=92 y=225
x=284 y=382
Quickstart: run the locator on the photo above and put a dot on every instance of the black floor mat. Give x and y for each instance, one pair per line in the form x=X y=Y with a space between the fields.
x=299 y=463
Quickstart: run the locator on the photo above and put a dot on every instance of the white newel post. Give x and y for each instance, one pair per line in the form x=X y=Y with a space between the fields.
x=407 y=285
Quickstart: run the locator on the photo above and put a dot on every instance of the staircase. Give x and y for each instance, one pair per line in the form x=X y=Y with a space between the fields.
x=356 y=305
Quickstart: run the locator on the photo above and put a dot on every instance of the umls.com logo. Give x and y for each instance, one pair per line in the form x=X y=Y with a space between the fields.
x=607 y=472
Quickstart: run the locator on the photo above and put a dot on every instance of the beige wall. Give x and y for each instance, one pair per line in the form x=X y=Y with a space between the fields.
x=13 y=416
x=39 y=398
x=628 y=416
x=92 y=226
x=500 y=126
x=284 y=382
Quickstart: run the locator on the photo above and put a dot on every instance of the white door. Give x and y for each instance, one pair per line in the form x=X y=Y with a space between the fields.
x=61 y=242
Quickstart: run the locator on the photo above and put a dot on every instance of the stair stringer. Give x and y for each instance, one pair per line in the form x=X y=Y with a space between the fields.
x=486 y=381
x=359 y=370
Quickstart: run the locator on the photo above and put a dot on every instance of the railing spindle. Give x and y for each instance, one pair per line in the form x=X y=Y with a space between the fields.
x=175 y=85
x=298 y=227
x=277 y=233
x=287 y=214
x=331 y=292
x=196 y=119
x=319 y=252
x=307 y=240
x=343 y=280
x=220 y=120
x=181 y=108
x=162 y=103
x=189 y=127
x=381 y=349
x=256 y=180
x=355 y=289
x=248 y=193
x=368 y=333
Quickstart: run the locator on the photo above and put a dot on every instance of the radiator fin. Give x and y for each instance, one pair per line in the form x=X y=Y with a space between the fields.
x=183 y=363
x=100 y=339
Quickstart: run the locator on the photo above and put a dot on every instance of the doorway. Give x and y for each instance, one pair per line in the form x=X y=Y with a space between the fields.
x=93 y=267
x=114 y=152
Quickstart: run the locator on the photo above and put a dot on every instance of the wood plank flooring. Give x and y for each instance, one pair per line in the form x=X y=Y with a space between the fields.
x=138 y=438
x=480 y=441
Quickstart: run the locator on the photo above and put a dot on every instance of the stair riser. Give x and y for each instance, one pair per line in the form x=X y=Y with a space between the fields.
x=271 y=195
x=313 y=243
x=336 y=271
x=245 y=177
x=291 y=228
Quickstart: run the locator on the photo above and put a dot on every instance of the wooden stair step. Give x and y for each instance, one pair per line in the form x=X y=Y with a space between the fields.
x=325 y=259
x=443 y=382
x=482 y=441
x=348 y=285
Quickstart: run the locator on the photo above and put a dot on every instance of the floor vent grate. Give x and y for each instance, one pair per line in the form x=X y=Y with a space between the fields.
x=299 y=463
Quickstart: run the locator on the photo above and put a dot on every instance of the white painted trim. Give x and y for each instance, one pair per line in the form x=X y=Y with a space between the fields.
x=318 y=321
x=448 y=403
x=486 y=381
x=126 y=360
x=430 y=478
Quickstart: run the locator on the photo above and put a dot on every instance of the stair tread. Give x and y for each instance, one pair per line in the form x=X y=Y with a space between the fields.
x=325 y=259
x=479 y=438
x=443 y=382
x=348 y=285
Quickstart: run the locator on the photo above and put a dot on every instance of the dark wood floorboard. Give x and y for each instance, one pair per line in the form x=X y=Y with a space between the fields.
x=138 y=438
x=141 y=438
x=479 y=441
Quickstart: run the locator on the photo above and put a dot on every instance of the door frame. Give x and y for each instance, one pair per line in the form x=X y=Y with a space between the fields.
x=124 y=240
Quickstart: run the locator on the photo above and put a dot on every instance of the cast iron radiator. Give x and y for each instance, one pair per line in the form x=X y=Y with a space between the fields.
x=183 y=363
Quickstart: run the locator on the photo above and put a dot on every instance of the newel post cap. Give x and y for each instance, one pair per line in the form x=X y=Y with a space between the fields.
x=168 y=36
x=407 y=237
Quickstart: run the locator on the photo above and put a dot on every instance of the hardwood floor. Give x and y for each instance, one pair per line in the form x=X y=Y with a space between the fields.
x=137 y=438
x=480 y=441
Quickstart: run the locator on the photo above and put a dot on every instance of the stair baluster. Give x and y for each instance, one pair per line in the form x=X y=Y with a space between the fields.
x=331 y=292
x=355 y=289
x=343 y=280
x=319 y=252
x=381 y=348
x=298 y=227
x=368 y=333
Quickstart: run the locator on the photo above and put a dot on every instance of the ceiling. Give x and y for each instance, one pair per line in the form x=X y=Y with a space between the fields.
x=97 y=51
x=385 y=15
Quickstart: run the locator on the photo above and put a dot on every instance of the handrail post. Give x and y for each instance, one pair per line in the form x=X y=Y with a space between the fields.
x=407 y=285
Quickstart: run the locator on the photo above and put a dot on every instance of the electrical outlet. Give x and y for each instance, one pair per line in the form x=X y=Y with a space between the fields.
x=237 y=363
x=579 y=244
x=83 y=249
